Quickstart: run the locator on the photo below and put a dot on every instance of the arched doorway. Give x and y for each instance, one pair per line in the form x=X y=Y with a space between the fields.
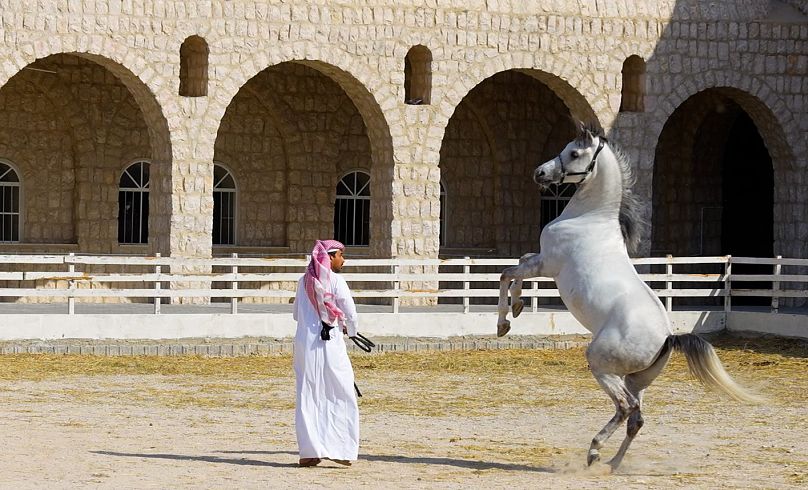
x=713 y=181
x=501 y=130
x=714 y=186
x=72 y=123
x=288 y=136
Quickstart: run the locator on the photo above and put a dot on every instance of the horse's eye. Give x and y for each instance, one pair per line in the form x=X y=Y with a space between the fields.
x=575 y=154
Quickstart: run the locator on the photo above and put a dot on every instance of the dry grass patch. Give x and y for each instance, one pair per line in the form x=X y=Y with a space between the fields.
x=426 y=383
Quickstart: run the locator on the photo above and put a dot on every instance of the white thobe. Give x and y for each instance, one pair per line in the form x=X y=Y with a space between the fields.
x=326 y=415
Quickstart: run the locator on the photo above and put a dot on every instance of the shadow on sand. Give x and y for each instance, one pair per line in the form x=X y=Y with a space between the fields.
x=460 y=463
x=206 y=459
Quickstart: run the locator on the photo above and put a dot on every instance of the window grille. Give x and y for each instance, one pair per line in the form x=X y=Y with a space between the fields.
x=224 y=206
x=9 y=204
x=133 y=204
x=352 y=209
x=554 y=200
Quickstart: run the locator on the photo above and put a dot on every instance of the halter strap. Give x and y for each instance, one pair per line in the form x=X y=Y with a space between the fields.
x=589 y=168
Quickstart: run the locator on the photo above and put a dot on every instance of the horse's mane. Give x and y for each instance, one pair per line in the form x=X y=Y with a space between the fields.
x=631 y=217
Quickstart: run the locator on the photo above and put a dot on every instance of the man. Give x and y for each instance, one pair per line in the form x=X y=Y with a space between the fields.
x=326 y=415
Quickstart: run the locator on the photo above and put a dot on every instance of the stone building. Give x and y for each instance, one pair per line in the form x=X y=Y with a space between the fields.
x=407 y=128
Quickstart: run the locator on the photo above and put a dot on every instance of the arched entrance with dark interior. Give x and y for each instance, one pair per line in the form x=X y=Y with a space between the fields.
x=713 y=183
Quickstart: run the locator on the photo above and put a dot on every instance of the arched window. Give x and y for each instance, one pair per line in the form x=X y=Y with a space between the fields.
x=224 y=206
x=9 y=203
x=633 y=94
x=352 y=209
x=133 y=204
x=554 y=200
x=194 y=67
x=442 y=231
x=418 y=76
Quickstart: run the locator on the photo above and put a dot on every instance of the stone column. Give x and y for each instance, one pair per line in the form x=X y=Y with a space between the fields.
x=415 y=220
x=189 y=182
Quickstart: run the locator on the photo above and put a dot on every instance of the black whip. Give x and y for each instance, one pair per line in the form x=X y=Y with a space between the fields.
x=363 y=342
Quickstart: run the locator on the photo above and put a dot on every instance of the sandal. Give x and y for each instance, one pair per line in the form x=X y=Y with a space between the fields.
x=306 y=462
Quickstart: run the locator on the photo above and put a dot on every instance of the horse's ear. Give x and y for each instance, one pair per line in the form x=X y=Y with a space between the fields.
x=589 y=137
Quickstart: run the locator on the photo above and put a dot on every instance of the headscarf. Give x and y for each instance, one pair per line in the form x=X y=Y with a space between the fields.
x=317 y=281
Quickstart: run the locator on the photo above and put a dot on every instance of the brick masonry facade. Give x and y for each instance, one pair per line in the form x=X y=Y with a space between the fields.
x=299 y=93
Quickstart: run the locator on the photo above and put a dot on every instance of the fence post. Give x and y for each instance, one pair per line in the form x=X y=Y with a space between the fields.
x=669 y=284
x=466 y=284
x=157 y=285
x=234 y=287
x=71 y=284
x=728 y=285
x=395 y=269
x=776 y=286
x=535 y=302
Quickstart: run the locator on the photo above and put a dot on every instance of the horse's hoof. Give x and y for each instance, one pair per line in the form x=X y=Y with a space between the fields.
x=503 y=328
x=613 y=465
x=592 y=457
x=517 y=308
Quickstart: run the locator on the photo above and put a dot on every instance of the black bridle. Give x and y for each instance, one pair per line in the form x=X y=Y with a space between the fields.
x=589 y=168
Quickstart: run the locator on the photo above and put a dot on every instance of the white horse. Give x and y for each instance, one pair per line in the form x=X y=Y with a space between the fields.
x=585 y=250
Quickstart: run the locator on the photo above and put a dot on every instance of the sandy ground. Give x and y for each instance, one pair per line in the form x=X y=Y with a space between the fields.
x=434 y=428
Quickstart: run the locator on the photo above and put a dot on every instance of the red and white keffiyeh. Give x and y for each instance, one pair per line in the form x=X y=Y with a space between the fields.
x=317 y=281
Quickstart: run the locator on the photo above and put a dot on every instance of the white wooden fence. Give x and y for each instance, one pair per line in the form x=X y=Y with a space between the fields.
x=468 y=281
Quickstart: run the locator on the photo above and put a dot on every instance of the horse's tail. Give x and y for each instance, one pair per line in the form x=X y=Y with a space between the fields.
x=705 y=365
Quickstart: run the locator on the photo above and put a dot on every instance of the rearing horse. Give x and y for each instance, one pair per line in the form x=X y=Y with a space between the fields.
x=585 y=250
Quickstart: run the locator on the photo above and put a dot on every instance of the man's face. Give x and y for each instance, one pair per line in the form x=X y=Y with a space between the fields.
x=337 y=260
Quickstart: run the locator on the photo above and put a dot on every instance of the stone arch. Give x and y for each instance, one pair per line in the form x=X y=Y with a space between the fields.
x=558 y=74
x=767 y=110
x=498 y=133
x=372 y=99
x=360 y=82
x=139 y=77
x=769 y=118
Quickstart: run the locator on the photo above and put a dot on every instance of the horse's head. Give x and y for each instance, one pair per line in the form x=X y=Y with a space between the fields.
x=575 y=162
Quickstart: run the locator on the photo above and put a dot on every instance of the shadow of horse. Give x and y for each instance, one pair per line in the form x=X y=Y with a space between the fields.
x=459 y=463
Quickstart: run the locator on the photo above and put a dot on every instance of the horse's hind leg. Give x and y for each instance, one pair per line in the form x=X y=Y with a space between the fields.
x=625 y=404
x=636 y=383
x=635 y=423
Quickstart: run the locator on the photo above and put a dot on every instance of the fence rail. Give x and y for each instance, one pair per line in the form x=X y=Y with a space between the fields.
x=70 y=277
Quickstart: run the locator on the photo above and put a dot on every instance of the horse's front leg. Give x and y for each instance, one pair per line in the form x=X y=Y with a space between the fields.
x=530 y=265
x=517 y=303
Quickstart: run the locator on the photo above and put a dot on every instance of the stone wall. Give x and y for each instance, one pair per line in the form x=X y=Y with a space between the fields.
x=340 y=105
